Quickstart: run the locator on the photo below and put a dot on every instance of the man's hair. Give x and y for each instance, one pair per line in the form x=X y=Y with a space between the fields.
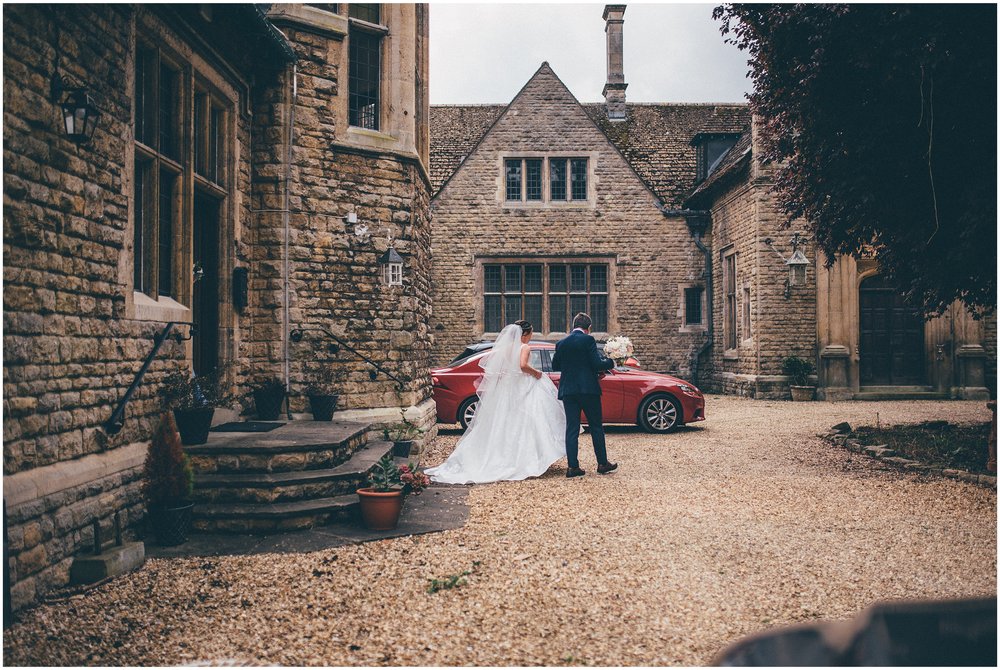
x=582 y=320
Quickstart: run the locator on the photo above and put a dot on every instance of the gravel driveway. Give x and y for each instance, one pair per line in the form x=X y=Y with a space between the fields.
x=745 y=522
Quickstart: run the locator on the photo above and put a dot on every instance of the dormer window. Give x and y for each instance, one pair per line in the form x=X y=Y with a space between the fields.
x=710 y=149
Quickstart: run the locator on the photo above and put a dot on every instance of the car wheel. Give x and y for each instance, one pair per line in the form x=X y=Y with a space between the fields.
x=659 y=414
x=467 y=410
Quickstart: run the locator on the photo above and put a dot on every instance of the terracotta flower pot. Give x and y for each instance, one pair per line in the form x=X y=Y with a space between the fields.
x=380 y=510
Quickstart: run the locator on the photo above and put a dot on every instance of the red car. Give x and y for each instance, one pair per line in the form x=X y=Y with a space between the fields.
x=656 y=402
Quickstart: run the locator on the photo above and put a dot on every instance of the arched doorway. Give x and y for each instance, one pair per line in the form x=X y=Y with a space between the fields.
x=892 y=337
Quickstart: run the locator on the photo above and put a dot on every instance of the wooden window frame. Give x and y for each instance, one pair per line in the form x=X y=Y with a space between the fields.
x=376 y=32
x=729 y=301
x=545 y=191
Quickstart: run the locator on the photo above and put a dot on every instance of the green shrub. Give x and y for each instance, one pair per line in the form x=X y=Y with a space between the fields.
x=798 y=369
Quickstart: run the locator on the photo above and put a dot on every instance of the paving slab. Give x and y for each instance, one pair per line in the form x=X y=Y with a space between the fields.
x=436 y=509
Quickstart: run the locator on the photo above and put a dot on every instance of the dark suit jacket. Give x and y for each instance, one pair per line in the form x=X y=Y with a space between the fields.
x=579 y=362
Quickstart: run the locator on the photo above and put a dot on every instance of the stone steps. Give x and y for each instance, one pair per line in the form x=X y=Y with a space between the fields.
x=285 y=486
x=274 y=517
x=300 y=475
x=298 y=445
x=899 y=393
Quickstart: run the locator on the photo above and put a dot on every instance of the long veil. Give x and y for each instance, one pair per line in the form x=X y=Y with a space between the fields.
x=503 y=360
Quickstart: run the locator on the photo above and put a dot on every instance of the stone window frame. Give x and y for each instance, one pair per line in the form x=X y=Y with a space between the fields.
x=478 y=269
x=211 y=78
x=686 y=327
x=730 y=270
x=546 y=200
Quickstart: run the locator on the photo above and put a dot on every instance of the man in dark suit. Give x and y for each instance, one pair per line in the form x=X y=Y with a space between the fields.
x=579 y=362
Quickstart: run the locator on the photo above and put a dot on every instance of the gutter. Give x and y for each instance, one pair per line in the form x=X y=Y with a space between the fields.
x=698 y=222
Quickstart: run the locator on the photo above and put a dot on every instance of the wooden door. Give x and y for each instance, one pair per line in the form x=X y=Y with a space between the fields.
x=892 y=337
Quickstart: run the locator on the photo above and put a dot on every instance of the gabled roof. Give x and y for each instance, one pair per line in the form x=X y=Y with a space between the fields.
x=734 y=159
x=655 y=139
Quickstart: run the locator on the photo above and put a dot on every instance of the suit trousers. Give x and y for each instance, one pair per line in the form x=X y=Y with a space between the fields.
x=591 y=407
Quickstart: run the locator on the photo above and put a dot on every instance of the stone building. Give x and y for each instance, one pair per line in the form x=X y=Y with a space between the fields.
x=675 y=218
x=245 y=174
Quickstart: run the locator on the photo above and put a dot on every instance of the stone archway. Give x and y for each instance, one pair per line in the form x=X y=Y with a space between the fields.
x=891 y=341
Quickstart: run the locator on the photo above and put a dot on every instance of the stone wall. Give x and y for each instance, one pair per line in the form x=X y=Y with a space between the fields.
x=650 y=256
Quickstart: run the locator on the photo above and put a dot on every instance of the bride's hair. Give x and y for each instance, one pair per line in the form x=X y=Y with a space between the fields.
x=525 y=326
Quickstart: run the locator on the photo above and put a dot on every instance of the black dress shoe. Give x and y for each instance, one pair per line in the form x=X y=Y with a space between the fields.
x=575 y=472
x=606 y=468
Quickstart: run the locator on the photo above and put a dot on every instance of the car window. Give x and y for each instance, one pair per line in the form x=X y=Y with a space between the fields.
x=540 y=360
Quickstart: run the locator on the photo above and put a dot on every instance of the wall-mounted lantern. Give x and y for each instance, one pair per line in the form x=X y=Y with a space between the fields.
x=80 y=114
x=392 y=267
x=796 y=263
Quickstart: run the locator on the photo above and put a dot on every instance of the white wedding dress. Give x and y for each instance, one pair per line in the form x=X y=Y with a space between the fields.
x=519 y=428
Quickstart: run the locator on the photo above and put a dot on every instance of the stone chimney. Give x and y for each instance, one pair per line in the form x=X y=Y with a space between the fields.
x=614 y=89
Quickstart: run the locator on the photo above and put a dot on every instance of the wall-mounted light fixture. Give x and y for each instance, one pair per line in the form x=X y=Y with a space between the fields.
x=796 y=263
x=79 y=113
x=391 y=264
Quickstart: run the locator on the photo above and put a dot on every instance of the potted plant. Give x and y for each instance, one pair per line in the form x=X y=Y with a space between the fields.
x=401 y=435
x=193 y=401
x=798 y=370
x=167 y=484
x=322 y=402
x=382 y=502
x=267 y=398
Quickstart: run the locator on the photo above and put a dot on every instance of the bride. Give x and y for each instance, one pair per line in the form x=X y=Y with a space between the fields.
x=519 y=428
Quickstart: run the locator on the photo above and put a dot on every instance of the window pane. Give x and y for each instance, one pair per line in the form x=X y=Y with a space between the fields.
x=578 y=177
x=557 y=278
x=145 y=97
x=491 y=278
x=557 y=314
x=200 y=131
x=532 y=278
x=138 y=239
x=557 y=179
x=535 y=359
x=364 y=11
x=492 y=316
x=165 y=235
x=512 y=279
x=512 y=308
x=599 y=312
x=513 y=179
x=599 y=278
x=577 y=304
x=364 y=77
x=578 y=278
x=533 y=179
x=533 y=310
x=692 y=306
x=214 y=145
x=168 y=116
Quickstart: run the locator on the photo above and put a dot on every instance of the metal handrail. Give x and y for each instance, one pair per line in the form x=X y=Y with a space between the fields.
x=297 y=334
x=116 y=422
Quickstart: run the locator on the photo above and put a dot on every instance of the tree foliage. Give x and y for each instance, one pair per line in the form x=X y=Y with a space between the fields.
x=882 y=119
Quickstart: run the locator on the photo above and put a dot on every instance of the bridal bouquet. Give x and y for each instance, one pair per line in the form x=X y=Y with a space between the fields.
x=618 y=348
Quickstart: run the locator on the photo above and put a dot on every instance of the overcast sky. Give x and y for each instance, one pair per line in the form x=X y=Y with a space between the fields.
x=484 y=53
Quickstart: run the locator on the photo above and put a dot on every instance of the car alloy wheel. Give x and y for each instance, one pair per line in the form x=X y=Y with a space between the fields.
x=659 y=414
x=467 y=411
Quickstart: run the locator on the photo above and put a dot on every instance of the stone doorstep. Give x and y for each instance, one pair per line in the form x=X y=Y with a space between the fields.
x=295 y=436
x=357 y=466
x=275 y=511
x=88 y=569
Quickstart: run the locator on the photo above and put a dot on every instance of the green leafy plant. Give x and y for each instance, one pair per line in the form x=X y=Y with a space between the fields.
x=386 y=476
x=798 y=369
x=182 y=391
x=451 y=581
x=167 y=473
